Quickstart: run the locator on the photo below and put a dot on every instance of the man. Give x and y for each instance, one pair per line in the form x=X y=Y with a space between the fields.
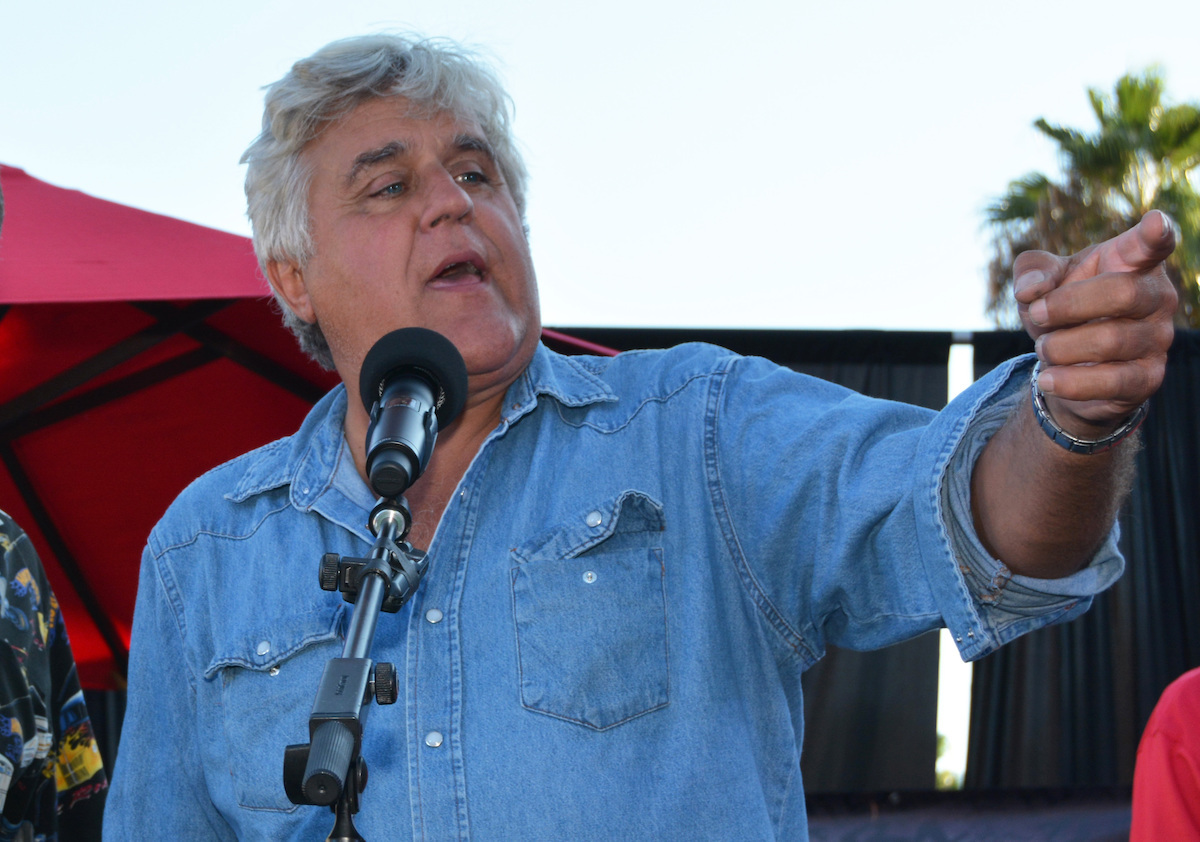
x=632 y=561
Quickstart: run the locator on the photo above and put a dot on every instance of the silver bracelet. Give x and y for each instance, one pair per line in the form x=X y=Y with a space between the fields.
x=1072 y=443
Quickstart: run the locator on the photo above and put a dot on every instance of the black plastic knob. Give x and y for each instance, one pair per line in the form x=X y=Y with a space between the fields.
x=385 y=684
x=329 y=571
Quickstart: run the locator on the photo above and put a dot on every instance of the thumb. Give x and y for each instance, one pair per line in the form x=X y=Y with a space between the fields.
x=1139 y=249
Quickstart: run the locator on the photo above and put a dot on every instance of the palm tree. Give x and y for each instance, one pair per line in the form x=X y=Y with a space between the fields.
x=1142 y=157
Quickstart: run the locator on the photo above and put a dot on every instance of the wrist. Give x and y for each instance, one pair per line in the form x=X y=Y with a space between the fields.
x=1075 y=443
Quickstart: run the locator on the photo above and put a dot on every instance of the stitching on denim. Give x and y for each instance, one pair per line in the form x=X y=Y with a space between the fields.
x=175 y=601
x=590 y=726
x=788 y=635
x=329 y=633
x=512 y=590
x=527 y=552
x=258 y=455
x=559 y=405
x=211 y=534
x=470 y=517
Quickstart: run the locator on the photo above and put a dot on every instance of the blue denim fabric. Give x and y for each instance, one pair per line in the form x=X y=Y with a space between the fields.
x=638 y=566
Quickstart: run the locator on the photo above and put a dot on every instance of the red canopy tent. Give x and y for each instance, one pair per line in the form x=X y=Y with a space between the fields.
x=136 y=352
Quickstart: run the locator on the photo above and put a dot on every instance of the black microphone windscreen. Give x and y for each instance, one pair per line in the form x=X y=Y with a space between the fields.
x=426 y=351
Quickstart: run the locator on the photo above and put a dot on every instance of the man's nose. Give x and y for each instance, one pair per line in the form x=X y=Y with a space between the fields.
x=446 y=200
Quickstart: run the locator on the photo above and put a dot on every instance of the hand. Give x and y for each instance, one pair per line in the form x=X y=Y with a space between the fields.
x=1102 y=321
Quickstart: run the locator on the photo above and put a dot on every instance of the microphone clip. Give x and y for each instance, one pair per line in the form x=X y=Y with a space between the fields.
x=393 y=558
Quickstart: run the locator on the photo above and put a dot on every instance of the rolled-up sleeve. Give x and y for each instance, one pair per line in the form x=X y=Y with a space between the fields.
x=1004 y=606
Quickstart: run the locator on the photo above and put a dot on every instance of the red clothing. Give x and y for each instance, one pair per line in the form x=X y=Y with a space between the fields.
x=1166 y=781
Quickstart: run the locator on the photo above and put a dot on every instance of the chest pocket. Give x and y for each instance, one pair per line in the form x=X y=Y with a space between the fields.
x=267 y=679
x=589 y=602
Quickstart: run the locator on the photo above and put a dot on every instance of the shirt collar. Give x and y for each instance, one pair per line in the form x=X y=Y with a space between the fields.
x=308 y=460
x=569 y=380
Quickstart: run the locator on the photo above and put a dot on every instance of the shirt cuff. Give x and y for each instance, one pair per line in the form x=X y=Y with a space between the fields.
x=1008 y=604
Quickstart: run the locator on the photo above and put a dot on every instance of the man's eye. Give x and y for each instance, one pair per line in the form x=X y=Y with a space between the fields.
x=394 y=189
x=473 y=177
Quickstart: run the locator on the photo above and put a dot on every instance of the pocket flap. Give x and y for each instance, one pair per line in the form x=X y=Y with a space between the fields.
x=629 y=512
x=261 y=645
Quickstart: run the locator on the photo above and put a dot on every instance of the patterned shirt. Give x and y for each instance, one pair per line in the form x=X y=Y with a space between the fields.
x=52 y=781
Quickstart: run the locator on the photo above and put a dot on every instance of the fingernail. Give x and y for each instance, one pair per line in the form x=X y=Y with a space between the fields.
x=1037 y=347
x=1038 y=312
x=1169 y=226
x=1046 y=382
x=1029 y=279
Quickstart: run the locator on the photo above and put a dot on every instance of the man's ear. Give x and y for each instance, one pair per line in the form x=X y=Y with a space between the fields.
x=287 y=279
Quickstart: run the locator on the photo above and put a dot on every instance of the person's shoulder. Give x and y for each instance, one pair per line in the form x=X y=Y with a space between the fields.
x=9 y=528
x=1183 y=693
x=662 y=369
x=632 y=379
x=16 y=549
x=1174 y=716
x=205 y=504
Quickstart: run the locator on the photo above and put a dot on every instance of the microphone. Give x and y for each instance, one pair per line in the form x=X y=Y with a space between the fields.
x=413 y=382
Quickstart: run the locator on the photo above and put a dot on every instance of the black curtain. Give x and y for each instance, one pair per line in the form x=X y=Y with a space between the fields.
x=870 y=717
x=1065 y=706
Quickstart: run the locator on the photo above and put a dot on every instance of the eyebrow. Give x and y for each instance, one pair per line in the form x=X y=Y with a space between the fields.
x=473 y=143
x=397 y=148
x=387 y=152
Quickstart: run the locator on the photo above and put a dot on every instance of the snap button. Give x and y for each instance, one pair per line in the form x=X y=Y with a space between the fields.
x=433 y=615
x=433 y=739
x=589 y=577
x=593 y=519
x=264 y=646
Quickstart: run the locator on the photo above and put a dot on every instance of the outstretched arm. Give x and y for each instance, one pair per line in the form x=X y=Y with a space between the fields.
x=1102 y=321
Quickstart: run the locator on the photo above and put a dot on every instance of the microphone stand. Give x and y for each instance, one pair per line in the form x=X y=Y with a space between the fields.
x=328 y=770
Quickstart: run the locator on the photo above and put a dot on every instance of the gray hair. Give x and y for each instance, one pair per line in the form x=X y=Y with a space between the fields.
x=435 y=75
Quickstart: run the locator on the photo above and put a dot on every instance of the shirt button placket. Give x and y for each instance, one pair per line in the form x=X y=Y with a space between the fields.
x=434 y=722
x=433 y=617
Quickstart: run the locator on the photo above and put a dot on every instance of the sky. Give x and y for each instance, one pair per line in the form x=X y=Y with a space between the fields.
x=759 y=164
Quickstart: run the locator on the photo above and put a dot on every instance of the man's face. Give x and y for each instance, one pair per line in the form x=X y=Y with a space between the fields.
x=412 y=225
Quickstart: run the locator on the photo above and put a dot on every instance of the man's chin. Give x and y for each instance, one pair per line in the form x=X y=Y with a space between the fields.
x=493 y=348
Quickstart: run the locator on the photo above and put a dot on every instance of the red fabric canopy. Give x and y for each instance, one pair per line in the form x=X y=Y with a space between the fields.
x=63 y=245
x=136 y=352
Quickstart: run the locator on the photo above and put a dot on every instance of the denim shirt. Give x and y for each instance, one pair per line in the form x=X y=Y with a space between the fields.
x=635 y=570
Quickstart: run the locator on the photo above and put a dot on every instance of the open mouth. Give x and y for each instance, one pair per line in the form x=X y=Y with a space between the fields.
x=459 y=270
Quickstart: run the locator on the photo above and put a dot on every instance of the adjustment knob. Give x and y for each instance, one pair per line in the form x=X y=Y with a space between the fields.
x=329 y=571
x=385 y=683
